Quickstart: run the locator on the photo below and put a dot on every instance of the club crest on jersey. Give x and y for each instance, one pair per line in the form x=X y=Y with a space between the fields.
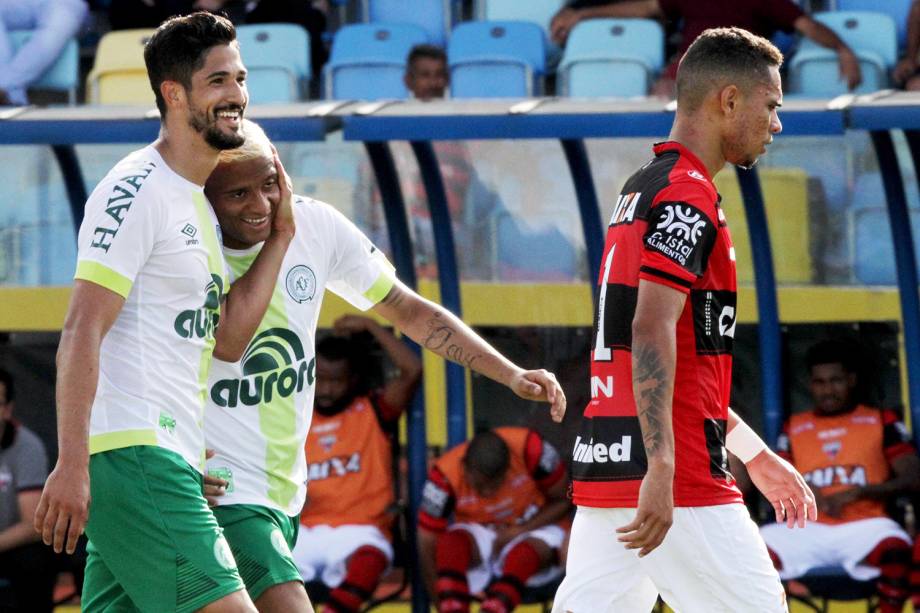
x=300 y=283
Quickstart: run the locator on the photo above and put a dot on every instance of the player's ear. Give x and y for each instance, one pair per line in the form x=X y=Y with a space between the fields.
x=173 y=93
x=729 y=97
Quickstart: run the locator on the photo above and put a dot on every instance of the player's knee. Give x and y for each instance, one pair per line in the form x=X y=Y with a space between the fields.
x=283 y=598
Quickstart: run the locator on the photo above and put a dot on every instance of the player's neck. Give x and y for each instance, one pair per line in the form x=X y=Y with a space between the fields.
x=187 y=154
x=704 y=142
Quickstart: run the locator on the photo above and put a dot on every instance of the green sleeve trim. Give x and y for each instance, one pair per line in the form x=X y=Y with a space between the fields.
x=101 y=274
x=380 y=288
x=124 y=438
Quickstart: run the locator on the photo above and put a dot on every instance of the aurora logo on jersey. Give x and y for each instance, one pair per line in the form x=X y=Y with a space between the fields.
x=119 y=204
x=201 y=323
x=274 y=366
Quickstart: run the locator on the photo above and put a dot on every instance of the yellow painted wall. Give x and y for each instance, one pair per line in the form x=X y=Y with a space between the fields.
x=785 y=192
x=488 y=304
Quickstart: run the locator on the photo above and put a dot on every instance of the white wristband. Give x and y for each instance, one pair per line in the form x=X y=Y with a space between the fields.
x=744 y=442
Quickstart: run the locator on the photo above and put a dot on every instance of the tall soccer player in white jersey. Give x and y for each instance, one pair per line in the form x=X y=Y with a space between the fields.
x=658 y=511
x=150 y=304
x=259 y=408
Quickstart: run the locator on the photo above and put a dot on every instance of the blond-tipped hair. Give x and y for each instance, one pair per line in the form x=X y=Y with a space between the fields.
x=255 y=146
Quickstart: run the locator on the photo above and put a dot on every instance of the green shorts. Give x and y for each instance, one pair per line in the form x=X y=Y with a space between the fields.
x=154 y=544
x=261 y=539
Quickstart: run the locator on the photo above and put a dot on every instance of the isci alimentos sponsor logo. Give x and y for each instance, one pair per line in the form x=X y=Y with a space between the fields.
x=274 y=366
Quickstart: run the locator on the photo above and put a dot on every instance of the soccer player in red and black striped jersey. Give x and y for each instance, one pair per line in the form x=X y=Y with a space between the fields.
x=658 y=511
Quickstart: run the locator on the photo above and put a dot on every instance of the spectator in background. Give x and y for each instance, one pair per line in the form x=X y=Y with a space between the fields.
x=907 y=72
x=309 y=14
x=345 y=530
x=492 y=519
x=427 y=76
x=24 y=561
x=856 y=458
x=762 y=17
x=52 y=22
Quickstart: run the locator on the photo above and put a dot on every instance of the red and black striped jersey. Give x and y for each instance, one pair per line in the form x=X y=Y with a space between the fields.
x=667 y=227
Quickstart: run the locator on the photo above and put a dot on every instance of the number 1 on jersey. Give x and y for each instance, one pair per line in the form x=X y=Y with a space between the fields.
x=602 y=352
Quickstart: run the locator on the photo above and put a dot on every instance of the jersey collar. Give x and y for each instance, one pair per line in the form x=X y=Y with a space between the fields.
x=673 y=145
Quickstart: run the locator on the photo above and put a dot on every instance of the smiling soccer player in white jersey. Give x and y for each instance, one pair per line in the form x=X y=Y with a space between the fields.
x=138 y=338
x=259 y=408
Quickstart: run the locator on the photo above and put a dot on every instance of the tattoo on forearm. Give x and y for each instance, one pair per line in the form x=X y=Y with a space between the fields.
x=438 y=339
x=649 y=389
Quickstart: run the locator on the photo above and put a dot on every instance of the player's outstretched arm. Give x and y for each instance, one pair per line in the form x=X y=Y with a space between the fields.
x=64 y=505
x=779 y=481
x=440 y=331
x=654 y=356
x=250 y=295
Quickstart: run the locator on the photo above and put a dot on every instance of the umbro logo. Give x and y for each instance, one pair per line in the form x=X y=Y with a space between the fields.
x=190 y=231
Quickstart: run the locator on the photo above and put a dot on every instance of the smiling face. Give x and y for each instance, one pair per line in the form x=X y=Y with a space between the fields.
x=218 y=97
x=754 y=120
x=244 y=194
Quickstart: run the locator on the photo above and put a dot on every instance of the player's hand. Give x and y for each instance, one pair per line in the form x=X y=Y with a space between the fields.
x=833 y=504
x=351 y=324
x=540 y=385
x=849 y=68
x=503 y=536
x=562 y=24
x=64 y=507
x=654 y=514
x=905 y=69
x=283 y=220
x=213 y=487
x=784 y=487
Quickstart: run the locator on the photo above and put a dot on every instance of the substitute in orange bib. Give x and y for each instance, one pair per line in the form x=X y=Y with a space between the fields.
x=855 y=458
x=505 y=493
x=344 y=535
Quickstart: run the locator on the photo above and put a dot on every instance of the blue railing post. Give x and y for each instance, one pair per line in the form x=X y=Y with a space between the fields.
x=768 y=329
x=448 y=280
x=394 y=209
x=906 y=263
x=588 y=207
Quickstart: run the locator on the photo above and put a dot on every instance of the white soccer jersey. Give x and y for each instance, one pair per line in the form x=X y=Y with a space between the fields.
x=151 y=236
x=259 y=409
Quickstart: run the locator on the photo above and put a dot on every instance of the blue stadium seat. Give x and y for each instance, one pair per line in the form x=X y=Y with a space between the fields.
x=500 y=59
x=64 y=74
x=433 y=16
x=539 y=12
x=368 y=61
x=873 y=253
x=612 y=58
x=896 y=9
x=814 y=71
x=277 y=58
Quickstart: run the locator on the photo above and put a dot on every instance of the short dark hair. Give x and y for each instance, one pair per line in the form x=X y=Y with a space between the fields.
x=719 y=56
x=7 y=380
x=487 y=455
x=178 y=48
x=833 y=351
x=425 y=50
